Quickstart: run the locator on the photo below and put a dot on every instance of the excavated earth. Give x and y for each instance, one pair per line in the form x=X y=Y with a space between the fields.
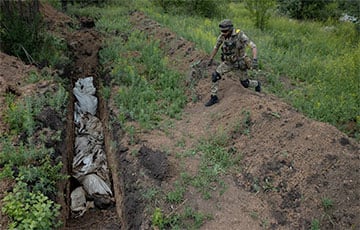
x=289 y=163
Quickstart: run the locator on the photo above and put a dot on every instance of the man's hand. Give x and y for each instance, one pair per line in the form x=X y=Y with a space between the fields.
x=255 y=63
x=210 y=62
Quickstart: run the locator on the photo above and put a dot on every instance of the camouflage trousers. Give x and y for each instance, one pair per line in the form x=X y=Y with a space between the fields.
x=239 y=68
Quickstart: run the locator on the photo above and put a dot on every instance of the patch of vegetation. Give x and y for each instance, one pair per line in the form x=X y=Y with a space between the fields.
x=318 y=58
x=148 y=90
x=20 y=115
x=34 y=167
x=318 y=9
x=315 y=224
x=187 y=219
x=23 y=35
x=30 y=210
x=260 y=11
x=204 y=8
x=177 y=195
x=216 y=160
x=327 y=203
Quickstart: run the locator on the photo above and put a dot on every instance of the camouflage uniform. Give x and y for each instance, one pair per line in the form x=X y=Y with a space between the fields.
x=234 y=58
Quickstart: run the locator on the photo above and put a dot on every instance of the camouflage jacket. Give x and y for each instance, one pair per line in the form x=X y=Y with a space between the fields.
x=233 y=48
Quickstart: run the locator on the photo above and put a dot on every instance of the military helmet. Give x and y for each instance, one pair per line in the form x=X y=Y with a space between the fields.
x=225 y=24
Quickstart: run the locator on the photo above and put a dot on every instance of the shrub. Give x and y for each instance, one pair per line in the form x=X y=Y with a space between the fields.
x=22 y=32
x=260 y=11
x=28 y=210
x=318 y=9
x=205 y=8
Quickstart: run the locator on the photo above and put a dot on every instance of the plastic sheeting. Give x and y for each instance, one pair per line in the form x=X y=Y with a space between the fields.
x=89 y=163
x=84 y=92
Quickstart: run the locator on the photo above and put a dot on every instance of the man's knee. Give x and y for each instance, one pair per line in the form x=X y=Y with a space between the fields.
x=245 y=83
x=215 y=76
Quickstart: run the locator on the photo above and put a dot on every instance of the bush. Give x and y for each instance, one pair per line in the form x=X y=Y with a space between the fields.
x=21 y=37
x=260 y=10
x=22 y=34
x=29 y=210
x=205 y=8
x=319 y=9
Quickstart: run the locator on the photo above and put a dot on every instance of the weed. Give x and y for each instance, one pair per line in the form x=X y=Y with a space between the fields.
x=254 y=215
x=177 y=195
x=151 y=193
x=327 y=203
x=131 y=130
x=6 y=172
x=265 y=224
x=30 y=210
x=188 y=219
x=158 y=219
x=42 y=178
x=33 y=77
x=20 y=154
x=216 y=160
x=30 y=163
x=181 y=143
x=315 y=224
x=106 y=92
x=268 y=185
x=58 y=100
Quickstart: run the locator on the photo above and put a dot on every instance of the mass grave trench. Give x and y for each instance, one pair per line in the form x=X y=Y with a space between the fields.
x=85 y=44
x=127 y=208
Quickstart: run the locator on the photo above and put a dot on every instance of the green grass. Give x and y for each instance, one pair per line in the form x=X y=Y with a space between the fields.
x=321 y=64
x=27 y=161
x=217 y=159
x=30 y=164
x=319 y=59
x=148 y=90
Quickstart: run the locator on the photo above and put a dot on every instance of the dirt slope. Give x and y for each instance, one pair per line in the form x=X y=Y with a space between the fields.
x=294 y=160
x=289 y=162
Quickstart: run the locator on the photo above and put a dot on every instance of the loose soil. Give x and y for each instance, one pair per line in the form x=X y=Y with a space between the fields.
x=289 y=163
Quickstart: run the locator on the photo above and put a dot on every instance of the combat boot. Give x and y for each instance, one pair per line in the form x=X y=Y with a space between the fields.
x=258 y=87
x=213 y=100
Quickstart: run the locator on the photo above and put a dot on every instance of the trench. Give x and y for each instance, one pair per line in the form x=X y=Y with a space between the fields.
x=112 y=216
x=128 y=182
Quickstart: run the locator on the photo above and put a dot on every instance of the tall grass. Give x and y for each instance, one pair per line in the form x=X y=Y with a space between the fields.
x=319 y=59
x=322 y=61
x=147 y=89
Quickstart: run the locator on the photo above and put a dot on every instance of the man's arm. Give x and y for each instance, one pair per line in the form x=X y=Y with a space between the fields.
x=219 y=41
x=254 y=54
x=253 y=49
x=214 y=52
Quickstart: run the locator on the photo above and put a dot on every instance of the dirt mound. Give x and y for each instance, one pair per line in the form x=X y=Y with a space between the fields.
x=291 y=165
x=13 y=74
x=155 y=162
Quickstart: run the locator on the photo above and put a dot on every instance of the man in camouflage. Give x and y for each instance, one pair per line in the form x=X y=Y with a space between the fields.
x=233 y=43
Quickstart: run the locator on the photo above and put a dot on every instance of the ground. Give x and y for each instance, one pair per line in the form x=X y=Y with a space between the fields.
x=289 y=163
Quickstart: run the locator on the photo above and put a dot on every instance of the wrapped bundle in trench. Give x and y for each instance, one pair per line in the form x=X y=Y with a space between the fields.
x=89 y=164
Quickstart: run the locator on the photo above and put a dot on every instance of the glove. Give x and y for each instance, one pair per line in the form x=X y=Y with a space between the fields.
x=255 y=63
x=210 y=62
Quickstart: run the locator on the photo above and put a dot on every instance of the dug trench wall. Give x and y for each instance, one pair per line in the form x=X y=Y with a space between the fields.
x=85 y=44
